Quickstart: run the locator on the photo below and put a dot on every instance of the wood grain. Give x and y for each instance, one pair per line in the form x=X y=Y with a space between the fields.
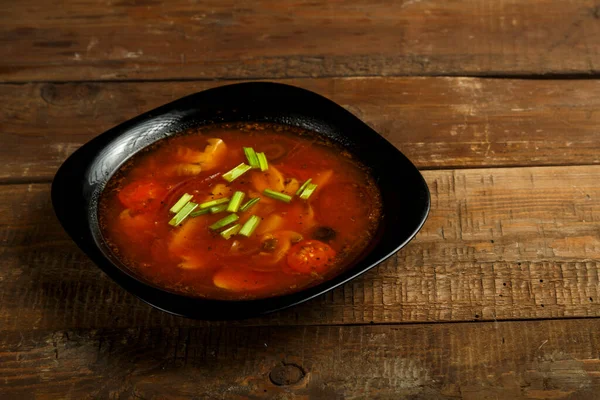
x=513 y=254
x=511 y=243
x=503 y=360
x=154 y=39
x=436 y=122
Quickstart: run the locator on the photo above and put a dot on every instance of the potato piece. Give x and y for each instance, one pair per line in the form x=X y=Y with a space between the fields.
x=214 y=154
x=272 y=223
x=218 y=191
x=291 y=187
x=241 y=280
x=184 y=242
x=301 y=216
x=181 y=241
x=322 y=178
x=188 y=262
x=210 y=158
x=270 y=179
x=186 y=169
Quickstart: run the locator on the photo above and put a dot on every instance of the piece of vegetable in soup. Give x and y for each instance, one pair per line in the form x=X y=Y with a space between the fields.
x=240 y=211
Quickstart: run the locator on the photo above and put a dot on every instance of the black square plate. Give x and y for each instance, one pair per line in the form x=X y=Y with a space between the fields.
x=80 y=180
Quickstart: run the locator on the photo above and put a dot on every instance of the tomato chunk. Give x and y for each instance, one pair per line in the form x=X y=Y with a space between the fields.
x=142 y=196
x=310 y=256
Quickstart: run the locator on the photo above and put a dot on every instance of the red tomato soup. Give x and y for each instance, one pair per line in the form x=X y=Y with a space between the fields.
x=183 y=215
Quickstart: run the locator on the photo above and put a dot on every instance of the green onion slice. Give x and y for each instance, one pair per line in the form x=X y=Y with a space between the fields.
x=277 y=196
x=250 y=226
x=262 y=161
x=251 y=156
x=180 y=203
x=213 y=203
x=304 y=185
x=308 y=191
x=249 y=204
x=235 y=173
x=185 y=211
x=223 y=222
x=218 y=209
x=199 y=212
x=236 y=201
x=229 y=232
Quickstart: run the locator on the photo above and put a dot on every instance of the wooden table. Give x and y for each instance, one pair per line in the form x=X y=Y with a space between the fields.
x=497 y=102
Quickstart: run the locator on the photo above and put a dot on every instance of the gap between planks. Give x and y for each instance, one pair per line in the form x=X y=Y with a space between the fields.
x=503 y=360
x=289 y=38
x=23 y=180
x=438 y=123
x=484 y=75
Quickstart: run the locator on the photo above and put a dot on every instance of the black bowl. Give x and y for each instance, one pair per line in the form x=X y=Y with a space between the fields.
x=80 y=180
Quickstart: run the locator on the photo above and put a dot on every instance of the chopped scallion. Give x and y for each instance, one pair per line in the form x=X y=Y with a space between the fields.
x=199 y=212
x=251 y=156
x=304 y=185
x=223 y=222
x=213 y=203
x=236 y=201
x=229 y=232
x=185 y=211
x=235 y=173
x=250 y=226
x=181 y=202
x=262 y=161
x=218 y=209
x=249 y=204
x=308 y=191
x=277 y=196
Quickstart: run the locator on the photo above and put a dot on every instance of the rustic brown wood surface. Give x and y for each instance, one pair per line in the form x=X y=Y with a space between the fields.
x=151 y=39
x=436 y=122
x=504 y=360
x=498 y=296
x=510 y=243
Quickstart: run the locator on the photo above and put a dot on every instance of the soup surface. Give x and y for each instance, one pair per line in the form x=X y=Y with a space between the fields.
x=231 y=246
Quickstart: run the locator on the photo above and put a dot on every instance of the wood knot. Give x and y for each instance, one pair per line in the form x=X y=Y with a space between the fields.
x=286 y=374
x=48 y=93
x=69 y=94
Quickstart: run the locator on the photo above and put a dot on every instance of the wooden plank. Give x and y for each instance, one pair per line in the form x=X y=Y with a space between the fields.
x=49 y=40
x=516 y=243
x=504 y=360
x=436 y=122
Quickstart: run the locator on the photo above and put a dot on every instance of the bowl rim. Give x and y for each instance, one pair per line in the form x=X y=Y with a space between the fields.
x=68 y=199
